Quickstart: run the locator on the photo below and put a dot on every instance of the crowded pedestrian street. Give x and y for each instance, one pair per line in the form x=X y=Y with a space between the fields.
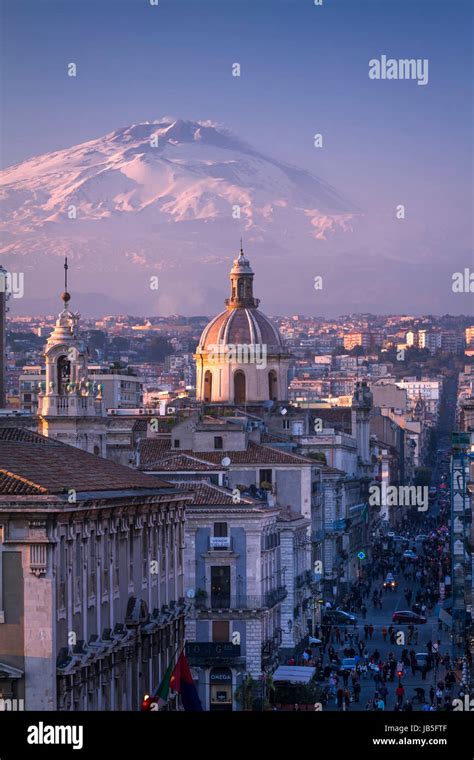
x=386 y=646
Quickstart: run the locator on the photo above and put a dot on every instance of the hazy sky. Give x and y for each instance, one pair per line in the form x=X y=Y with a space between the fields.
x=303 y=70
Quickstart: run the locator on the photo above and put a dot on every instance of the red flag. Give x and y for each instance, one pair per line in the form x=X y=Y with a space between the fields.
x=182 y=682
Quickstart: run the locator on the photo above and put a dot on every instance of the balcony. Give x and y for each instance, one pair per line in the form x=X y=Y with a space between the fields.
x=242 y=602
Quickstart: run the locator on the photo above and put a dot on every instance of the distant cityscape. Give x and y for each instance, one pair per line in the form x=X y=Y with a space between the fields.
x=149 y=362
x=222 y=495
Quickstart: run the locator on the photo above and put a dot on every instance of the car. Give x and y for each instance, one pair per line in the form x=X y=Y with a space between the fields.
x=410 y=554
x=340 y=617
x=390 y=581
x=312 y=641
x=408 y=616
x=348 y=663
x=421 y=660
x=400 y=539
x=421 y=537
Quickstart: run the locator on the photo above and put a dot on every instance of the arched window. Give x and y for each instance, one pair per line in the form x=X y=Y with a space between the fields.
x=272 y=386
x=240 y=391
x=208 y=386
x=64 y=374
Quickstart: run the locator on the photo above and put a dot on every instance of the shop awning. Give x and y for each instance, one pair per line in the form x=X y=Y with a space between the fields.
x=293 y=674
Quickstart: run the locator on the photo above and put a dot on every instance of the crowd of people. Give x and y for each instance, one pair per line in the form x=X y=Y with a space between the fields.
x=348 y=655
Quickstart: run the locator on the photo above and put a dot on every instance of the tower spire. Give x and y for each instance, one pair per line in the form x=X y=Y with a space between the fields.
x=66 y=297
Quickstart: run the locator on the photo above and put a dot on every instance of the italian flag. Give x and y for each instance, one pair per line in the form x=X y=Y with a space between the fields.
x=163 y=689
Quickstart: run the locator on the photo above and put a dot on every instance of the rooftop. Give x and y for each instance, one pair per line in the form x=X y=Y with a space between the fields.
x=154 y=450
x=33 y=464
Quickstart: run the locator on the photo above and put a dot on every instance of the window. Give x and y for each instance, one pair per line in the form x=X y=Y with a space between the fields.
x=264 y=476
x=240 y=390
x=117 y=561
x=220 y=586
x=92 y=565
x=144 y=553
x=220 y=630
x=176 y=443
x=171 y=544
x=78 y=571
x=163 y=550
x=62 y=574
x=218 y=443
x=131 y=539
x=220 y=533
x=105 y=562
x=286 y=424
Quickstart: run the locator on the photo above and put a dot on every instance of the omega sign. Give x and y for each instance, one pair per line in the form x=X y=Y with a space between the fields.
x=220 y=675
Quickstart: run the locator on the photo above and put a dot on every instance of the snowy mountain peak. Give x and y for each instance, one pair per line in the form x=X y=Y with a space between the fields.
x=151 y=195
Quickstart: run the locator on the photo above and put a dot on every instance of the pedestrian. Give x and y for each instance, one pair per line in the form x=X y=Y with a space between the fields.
x=357 y=690
x=340 y=698
x=432 y=695
x=400 y=693
x=347 y=699
x=371 y=630
x=384 y=633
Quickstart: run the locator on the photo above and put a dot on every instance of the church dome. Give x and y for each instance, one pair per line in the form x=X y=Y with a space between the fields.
x=241 y=325
x=241 y=322
x=241 y=356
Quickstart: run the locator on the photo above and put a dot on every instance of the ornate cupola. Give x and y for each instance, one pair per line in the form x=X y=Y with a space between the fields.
x=68 y=399
x=241 y=284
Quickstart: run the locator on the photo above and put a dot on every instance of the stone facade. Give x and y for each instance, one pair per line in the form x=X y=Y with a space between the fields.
x=91 y=581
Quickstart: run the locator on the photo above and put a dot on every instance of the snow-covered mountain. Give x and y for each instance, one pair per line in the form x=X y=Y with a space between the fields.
x=167 y=198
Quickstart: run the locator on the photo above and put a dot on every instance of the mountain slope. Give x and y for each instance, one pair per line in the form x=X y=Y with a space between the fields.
x=159 y=198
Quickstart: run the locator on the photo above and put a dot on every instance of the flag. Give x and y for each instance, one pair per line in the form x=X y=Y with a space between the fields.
x=160 y=695
x=163 y=689
x=182 y=682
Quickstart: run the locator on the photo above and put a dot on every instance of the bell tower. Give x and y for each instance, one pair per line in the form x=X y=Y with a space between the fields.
x=70 y=407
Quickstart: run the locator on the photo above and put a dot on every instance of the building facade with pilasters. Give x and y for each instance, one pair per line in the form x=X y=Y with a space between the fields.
x=91 y=577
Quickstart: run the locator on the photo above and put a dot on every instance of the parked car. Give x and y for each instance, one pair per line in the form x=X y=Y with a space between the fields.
x=407 y=616
x=410 y=554
x=390 y=581
x=312 y=641
x=421 y=537
x=340 y=617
